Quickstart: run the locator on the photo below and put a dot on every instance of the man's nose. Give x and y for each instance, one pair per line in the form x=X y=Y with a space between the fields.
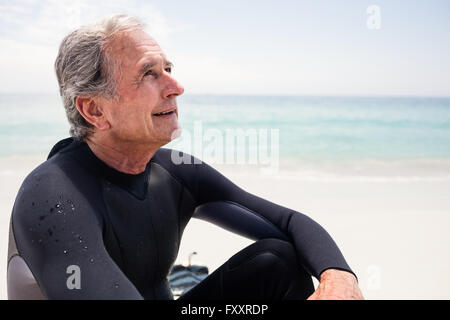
x=172 y=87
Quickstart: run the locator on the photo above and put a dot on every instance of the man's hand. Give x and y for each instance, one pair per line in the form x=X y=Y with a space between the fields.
x=337 y=285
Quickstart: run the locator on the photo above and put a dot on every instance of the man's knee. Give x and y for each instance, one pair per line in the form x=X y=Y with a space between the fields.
x=280 y=249
x=269 y=267
x=271 y=254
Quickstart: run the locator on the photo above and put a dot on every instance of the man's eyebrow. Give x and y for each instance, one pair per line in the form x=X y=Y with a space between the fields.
x=149 y=65
x=146 y=66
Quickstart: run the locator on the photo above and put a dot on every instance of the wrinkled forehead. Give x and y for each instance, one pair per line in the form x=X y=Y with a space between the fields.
x=128 y=48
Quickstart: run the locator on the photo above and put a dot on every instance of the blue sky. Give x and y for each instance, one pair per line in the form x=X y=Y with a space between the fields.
x=252 y=47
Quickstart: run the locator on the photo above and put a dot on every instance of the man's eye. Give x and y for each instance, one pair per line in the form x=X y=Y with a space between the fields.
x=169 y=69
x=149 y=73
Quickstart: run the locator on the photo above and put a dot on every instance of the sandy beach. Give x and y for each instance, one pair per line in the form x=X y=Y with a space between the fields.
x=393 y=232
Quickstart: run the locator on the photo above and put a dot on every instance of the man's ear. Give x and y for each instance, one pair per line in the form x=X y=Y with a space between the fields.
x=92 y=112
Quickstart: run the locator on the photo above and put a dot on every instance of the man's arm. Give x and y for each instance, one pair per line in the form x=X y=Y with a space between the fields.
x=57 y=235
x=315 y=247
x=223 y=203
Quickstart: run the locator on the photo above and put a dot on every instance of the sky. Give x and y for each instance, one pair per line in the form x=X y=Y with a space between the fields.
x=346 y=47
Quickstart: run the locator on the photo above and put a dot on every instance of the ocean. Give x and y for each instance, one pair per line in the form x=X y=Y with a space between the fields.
x=378 y=134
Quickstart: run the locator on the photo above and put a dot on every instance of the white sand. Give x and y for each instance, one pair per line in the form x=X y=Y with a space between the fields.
x=394 y=233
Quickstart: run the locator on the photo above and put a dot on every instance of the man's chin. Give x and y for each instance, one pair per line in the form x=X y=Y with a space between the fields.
x=176 y=133
x=169 y=136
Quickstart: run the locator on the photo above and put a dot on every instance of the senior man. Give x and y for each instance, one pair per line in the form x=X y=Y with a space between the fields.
x=103 y=217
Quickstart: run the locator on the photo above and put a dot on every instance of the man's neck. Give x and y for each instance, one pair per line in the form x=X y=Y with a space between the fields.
x=127 y=158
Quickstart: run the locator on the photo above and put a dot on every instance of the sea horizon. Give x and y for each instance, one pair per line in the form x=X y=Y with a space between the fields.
x=361 y=136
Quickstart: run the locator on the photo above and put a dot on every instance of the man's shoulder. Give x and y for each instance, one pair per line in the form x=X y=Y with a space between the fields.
x=58 y=165
x=53 y=168
x=57 y=183
x=46 y=171
x=51 y=177
x=39 y=186
x=43 y=180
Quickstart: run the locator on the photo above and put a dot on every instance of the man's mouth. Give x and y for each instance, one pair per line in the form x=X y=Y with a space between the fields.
x=165 y=113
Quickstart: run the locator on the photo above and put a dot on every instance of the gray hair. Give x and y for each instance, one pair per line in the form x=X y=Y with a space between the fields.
x=84 y=68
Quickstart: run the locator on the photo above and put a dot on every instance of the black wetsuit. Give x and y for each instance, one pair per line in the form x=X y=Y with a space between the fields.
x=123 y=231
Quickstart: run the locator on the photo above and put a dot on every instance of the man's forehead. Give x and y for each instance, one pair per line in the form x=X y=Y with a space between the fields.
x=134 y=46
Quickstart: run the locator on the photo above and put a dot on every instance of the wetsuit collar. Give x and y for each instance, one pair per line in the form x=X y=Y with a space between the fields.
x=133 y=183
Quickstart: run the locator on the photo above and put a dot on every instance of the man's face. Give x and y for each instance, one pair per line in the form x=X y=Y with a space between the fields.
x=146 y=88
